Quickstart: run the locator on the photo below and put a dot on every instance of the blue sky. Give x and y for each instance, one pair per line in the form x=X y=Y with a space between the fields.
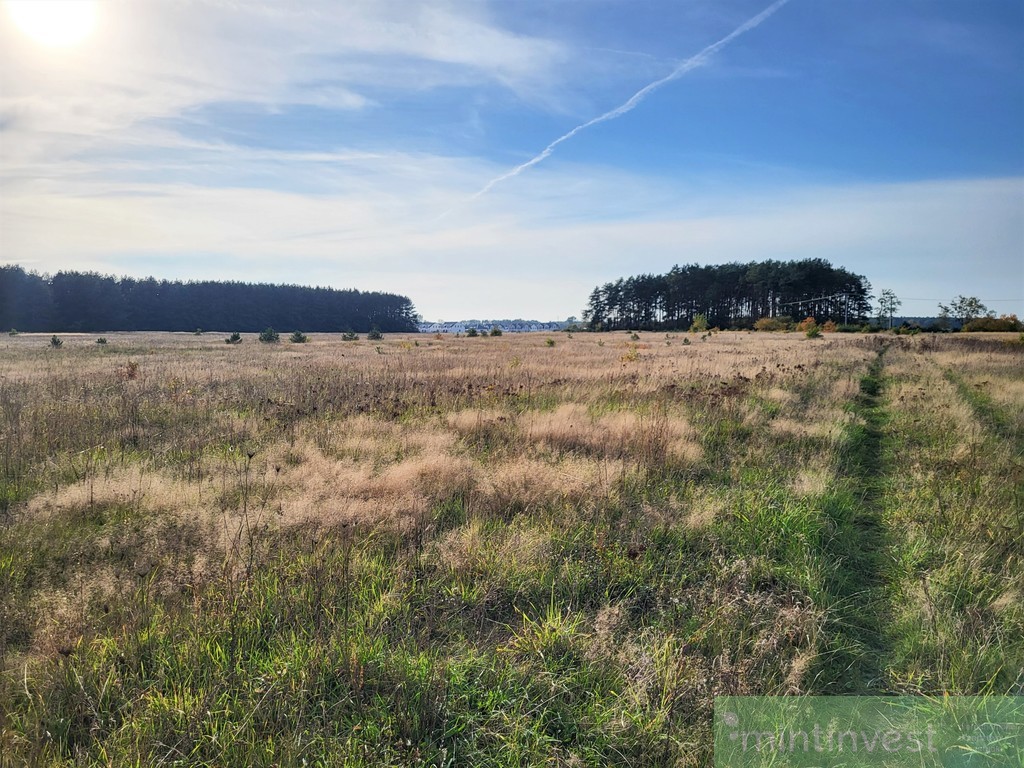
x=348 y=143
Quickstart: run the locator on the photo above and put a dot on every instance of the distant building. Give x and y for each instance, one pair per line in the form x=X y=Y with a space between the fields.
x=485 y=326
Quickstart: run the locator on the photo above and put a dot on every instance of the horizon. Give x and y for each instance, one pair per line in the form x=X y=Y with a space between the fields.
x=502 y=160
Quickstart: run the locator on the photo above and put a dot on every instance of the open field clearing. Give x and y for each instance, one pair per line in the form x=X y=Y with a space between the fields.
x=523 y=550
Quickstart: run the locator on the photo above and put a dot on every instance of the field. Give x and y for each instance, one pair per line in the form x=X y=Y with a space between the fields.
x=510 y=551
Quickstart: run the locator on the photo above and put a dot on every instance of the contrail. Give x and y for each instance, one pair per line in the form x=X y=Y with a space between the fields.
x=691 y=63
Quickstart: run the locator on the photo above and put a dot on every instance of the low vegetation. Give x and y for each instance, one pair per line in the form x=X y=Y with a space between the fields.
x=437 y=551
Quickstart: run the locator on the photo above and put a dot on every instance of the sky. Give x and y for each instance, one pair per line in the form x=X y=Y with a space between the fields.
x=501 y=159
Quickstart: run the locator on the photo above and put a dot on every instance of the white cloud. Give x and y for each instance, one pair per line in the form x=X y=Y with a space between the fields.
x=156 y=59
x=536 y=251
x=92 y=178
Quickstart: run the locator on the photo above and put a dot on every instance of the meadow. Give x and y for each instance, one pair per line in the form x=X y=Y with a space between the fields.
x=496 y=551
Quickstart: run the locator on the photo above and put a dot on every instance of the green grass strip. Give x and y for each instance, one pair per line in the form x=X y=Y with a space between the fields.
x=852 y=661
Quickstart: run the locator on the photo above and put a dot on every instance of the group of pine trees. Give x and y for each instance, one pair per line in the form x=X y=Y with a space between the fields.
x=730 y=296
x=90 y=302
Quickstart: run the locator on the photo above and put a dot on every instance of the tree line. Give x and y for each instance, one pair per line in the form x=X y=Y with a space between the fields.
x=730 y=295
x=90 y=302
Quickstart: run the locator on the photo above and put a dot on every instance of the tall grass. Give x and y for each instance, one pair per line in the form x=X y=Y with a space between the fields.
x=455 y=553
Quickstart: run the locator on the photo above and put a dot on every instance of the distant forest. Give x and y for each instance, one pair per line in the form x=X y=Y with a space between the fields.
x=730 y=296
x=89 y=302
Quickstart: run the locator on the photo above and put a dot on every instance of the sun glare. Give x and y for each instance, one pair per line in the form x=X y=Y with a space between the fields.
x=55 y=23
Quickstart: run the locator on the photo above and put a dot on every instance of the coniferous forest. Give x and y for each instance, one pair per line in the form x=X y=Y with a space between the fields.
x=90 y=302
x=730 y=296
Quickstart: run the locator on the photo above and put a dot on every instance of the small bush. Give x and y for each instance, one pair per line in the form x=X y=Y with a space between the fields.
x=814 y=332
x=1004 y=323
x=234 y=338
x=495 y=331
x=12 y=332
x=298 y=337
x=56 y=343
x=549 y=342
x=101 y=340
x=197 y=332
x=829 y=327
x=772 y=324
x=699 y=324
x=269 y=336
x=634 y=336
x=350 y=336
x=686 y=342
x=806 y=324
x=472 y=332
x=375 y=334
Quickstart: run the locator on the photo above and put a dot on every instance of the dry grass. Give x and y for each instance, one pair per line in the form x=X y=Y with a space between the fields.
x=619 y=529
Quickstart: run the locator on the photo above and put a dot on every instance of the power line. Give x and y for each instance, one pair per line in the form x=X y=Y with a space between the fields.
x=808 y=301
x=988 y=300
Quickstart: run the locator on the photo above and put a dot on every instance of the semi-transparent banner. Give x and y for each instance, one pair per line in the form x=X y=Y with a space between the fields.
x=848 y=731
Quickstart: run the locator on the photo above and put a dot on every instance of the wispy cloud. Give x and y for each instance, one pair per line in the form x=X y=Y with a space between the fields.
x=681 y=69
x=172 y=145
x=156 y=60
x=355 y=229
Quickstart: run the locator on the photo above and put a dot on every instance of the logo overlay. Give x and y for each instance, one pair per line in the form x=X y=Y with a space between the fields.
x=891 y=731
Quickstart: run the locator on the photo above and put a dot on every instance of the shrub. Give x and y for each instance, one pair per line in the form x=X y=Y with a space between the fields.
x=814 y=332
x=829 y=327
x=472 y=332
x=699 y=324
x=806 y=324
x=772 y=324
x=12 y=332
x=101 y=340
x=197 y=332
x=686 y=342
x=495 y=331
x=634 y=336
x=549 y=342
x=298 y=337
x=375 y=334
x=350 y=336
x=269 y=336
x=1004 y=323
x=56 y=343
x=234 y=338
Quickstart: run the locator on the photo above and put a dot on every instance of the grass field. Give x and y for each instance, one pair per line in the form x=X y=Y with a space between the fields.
x=525 y=550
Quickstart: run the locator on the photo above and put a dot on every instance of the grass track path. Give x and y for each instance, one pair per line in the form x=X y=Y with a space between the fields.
x=858 y=550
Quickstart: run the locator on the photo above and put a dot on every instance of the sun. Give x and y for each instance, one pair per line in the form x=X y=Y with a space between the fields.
x=55 y=23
